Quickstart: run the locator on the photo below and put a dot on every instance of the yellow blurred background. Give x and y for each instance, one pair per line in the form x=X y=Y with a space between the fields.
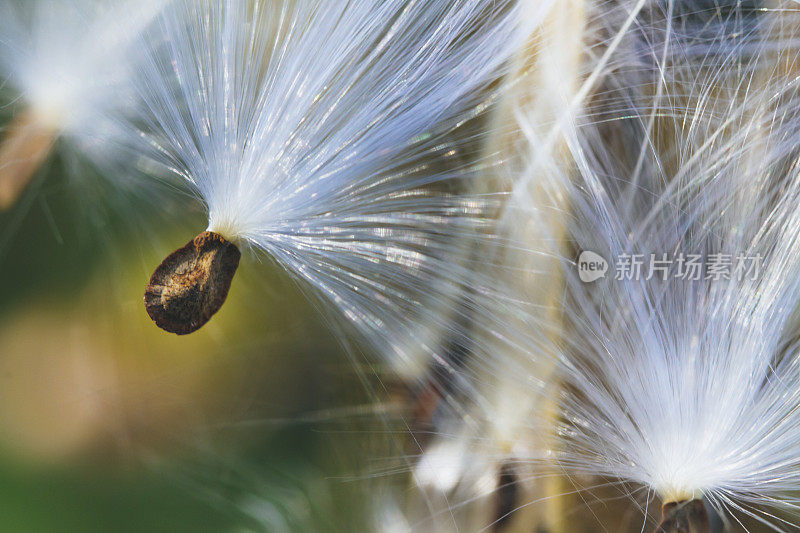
x=109 y=423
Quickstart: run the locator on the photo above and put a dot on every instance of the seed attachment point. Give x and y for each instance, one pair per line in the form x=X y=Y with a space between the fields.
x=191 y=284
x=684 y=517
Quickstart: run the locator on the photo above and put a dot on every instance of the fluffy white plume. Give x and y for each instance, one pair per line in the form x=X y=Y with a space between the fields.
x=308 y=129
x=689 y=387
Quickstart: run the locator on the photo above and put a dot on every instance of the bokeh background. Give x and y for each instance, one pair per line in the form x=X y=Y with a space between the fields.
x=107 y=423
x=260 y=421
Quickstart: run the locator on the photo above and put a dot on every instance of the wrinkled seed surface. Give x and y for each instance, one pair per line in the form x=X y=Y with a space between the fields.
x=191 y=284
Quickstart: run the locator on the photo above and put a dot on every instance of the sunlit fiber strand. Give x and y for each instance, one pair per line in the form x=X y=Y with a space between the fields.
x=486 y=459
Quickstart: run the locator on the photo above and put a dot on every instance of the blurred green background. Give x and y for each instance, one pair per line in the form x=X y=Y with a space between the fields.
x=109 y=424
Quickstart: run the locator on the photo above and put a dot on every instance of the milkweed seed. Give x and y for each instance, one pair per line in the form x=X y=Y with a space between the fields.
x=191 y=284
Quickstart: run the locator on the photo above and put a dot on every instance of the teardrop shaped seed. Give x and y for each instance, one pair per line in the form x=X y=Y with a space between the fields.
x=191 y=284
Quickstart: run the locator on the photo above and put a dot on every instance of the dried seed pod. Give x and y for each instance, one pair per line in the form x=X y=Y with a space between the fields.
x=684 y=517
x=191 y=284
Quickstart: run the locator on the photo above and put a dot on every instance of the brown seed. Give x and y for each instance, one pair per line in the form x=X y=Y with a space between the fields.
x=684 y=517
x=191 y=284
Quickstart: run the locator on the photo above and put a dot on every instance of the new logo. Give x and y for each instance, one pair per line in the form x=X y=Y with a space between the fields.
x=591 y=266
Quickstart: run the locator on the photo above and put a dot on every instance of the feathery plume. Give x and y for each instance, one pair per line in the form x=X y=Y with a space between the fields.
x=682 y=363
x=308 y=129
x=71 y=65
